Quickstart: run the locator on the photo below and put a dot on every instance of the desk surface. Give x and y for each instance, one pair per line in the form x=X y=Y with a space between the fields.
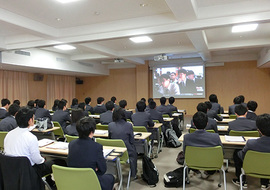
x=220 y=127
x=167 y=118
x=95 y=116
x=104 y=134
x=45 y=131
x=225 y=121
x=224 y=115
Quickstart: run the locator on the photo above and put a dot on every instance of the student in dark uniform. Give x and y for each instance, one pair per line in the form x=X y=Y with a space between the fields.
x=3 y=110
x=236 y=102
x=142 y=118
x=61 y=116
x=100 y=107
x=106 y=117
x=9 y=123
x=252 y=106
x=163 y=108
x=88 y=108
x=212 y=113
x=123 y=105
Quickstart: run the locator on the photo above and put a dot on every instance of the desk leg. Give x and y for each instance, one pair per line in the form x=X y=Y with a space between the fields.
x=119 y=172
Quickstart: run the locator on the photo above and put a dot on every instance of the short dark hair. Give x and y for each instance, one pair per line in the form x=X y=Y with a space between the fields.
x=81 y=106
x=143 y=99
x=41 y=103
x=87 y=100
x=200 y=120
x=171 y=100
x=150 y=100
x=13 y=109
x=237 y=100
x=242 y=98
x=122 y=103
x=263 y=124
x=202 y=107
x=252 y=105
x=4 y=102
x=208 y=104
x=36 y=101
x=64 y=100
x=61 y=105
x=76 y=115
x=31 y=104
x=74 y=101
x=17 y=102
x=213 y=98
x=109 y=105
x=23 y=116
x=162 y=100
x=100 y=100
x=152 y=105
x=182 y=71
x=165 y=76
x=118 y=114
x=141 y=106
x=113 y=99
x=240 y=109
x=85 y=126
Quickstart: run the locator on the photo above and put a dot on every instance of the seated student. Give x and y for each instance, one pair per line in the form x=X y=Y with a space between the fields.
x=252 y=106
x=100 y=107
x=41 y=112
x=76 y=115
x=61 y=116
x=83 y=106
x=9 y=123
x=171 y=107
x=84 y=152
x=3 y=110
x=149 y=100
x=242 y=123
x=163 y=108
x=113 y=99
x=236 y=102
x=74 y=103
x=201 y=138
x=120 y=129
x=242 y=100
x=215 y=105
x=261 y=145
x=106 y=117
x=123 y=105
x=211 y=124
x=142 y=118
x=155 y=115
x=212 y=113
x=55 y=105
x=31 y=105
x=17 y=102
x=88 y=108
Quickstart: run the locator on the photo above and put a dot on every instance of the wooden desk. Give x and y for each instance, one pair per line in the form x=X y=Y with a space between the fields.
x=157 y=125
x=167 y=119
x=132 y=110
x=95 y=116
x=225 y=121
x=45 y=133
x=224 y=115
x=145 y=135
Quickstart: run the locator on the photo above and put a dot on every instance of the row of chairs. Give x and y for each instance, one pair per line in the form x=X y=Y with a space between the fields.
x=234 y=133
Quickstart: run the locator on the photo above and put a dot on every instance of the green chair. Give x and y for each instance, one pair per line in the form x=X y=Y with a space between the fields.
x=71 y=138
x=128 y=120
x=124 y=159
x=255 y=165
x=244 y=133
x=143 y=129
x=165 y=115
x=67 y=178
x=232 y=116
x=2 y=137
x=102 y=127
x=59 y=133
x=160 y=137
x=204 y=158
x=192 y=130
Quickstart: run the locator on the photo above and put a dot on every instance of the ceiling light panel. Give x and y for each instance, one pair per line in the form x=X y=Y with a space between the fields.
x=64 y=47
x=141 y=39
x=66 y=1
x=244 y=28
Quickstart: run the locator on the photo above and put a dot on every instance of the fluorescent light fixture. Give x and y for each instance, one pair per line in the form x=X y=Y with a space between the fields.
x=66 y=1
x=244 y=28
x=141 y=39
x=65 y=47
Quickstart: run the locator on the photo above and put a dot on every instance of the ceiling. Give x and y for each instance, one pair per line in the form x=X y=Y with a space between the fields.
x=100 y=29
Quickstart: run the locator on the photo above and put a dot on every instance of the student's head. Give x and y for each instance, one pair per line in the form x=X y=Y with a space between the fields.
x=100 y=100
x=263 y=124
x=41 y=103
x=173 y=76
x=200 y=120
x=171 y=100
x=56 y=102
x=85 y=126
x=31 y=104
x=36 y=102
x=165 y=80
x=202 y=107
x=118 y=114
x=240 y=110
x=182 y=74
x=81 y=106
x=122 y=103
x=190 y=75
x=152 y=105
x=150 y=100
x=24 y=117
x=162 y=100
x=64 y=100
x=252 y=105
x=17 y=102
x=213 y=98
x=143 y=99
x=13 y=109
x=109 y=105
x=62 y=105
x=74 y=101
x=242 y=98
x=87 y=100
x=237 y=100
x=208 y=104
x=5 y=102
x=113 y=99
x=141 y=106
x=76 y=115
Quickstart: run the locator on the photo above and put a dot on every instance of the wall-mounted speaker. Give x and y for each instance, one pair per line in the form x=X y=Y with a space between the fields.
x=79 y=81
x=38 y=77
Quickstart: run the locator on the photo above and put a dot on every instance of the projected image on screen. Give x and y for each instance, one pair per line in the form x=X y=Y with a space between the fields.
x=180 y=82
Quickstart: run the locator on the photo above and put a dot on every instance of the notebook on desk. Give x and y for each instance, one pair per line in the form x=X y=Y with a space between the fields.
x=107 y=152
x=58 y=145
x=234 y=138
x=44 y=142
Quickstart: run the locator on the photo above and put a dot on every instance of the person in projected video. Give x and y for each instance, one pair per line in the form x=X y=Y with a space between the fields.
x=167 y=88
x=185 y=85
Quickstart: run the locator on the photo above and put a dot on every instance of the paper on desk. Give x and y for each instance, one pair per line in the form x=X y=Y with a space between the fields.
x=58 y=145
x=107 y=152
x=234 y=138
x=101 y=132
x=188 y=126
x=221 y=127
x=44 y=142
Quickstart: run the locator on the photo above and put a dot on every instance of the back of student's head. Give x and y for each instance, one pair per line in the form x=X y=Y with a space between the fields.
x=56 y=102
x=100 y=100
x=118 y=114
x=122 y=103
x=242 y=98
x=13 y=109
x=61 y=105
x=76 y=115
x=31 y=104
x=64 y=100
x=171 y=100
x=152 y=105
x=23 y=116
x=5 y=102
x=141 y=106
x=36 y=101
x=150 y=100
x=87 y=100
x=202 y=107
x=81 y=106
x=17 y=102
x=200 y=120
x=252 y=105
x=113 y=99
x=208 y=104
x=85 y=126
x=240 y=109
x=143 y=99
x=109 y=105
x=237 y=100
x=162 y=100
x=74 y=101
x=41 y=103
x=213 y=98
x=263 y=124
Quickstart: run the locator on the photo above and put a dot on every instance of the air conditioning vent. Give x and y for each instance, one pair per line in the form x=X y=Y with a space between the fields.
x=20 y=52
x=59 y=59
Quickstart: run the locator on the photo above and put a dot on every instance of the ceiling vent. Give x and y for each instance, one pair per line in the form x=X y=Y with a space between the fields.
x=20 y=52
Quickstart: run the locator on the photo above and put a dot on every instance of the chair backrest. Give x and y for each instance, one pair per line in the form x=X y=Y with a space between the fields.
x=102 y=127
x=192 y=130
x=255 y=164
x=71 y=138
x=244 y=133
x=59 y=132
x=210 y=158
x=2 y=137
x=128 y=120
x=232 y=116
x=165 y=115
x=67 y=178
x=155 y=121
x=116 y=143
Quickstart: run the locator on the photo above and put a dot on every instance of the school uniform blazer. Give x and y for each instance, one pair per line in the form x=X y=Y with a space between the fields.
x=61 y=117
x=89 y=108
x=156 y=115
x=242 y=124
x=142 y=119
x=211 y=125
x=99 y=109
x=251 y=115
x=212 y=114
x=8 y=123
x=128 y=114
x=106 y=117
x=172 y=108
x=232 y=109
x=201 y=138
x=216 y=107
x=164 y=109
x=3 y=113
x=43 y=113
x=71 y=130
